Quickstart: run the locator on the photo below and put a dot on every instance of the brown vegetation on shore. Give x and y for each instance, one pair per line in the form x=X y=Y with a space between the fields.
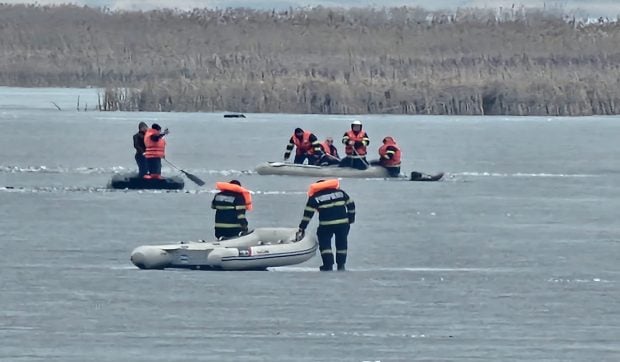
x=398 y=61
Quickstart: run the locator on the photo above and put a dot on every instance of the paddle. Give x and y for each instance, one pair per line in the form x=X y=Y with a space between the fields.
x=281 y=164
x=361 y=158
x=194 y=178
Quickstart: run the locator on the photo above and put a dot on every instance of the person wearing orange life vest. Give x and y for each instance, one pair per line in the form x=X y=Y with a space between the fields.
x=389 y=156
x=307 y=147
x=330 y=153
x=356 y=140
x=230 y=205
x=336 y=213
x=155 y=150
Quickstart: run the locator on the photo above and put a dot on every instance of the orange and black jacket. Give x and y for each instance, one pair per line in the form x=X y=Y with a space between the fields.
x=229 y=210
x=314 y=147
x=335 y=207
x=329 y=149
x=390 y=155
x=155 y=144
x=360 y=139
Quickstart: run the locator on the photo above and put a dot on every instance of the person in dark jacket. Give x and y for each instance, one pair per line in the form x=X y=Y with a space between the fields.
x=230 y=205
x=138 y=144
x=336 y=213
x=306 y=146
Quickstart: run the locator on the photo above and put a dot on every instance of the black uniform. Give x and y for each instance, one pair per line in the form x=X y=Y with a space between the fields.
x=336 y=212
x=230 y=214
x=138 y=144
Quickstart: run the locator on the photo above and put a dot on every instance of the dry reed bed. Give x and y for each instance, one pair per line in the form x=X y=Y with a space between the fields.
x=401 y=61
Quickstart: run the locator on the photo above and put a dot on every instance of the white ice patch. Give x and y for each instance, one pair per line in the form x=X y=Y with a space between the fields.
x=519 y=174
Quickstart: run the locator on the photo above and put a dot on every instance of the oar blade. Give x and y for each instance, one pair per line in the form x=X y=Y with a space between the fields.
x=194 y=178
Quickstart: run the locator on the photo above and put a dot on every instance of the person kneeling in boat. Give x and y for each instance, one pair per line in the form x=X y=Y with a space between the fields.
x=330 y=153
x=138 y=144
x=155 y=150
x=356 y=142
x=389 y=157
x=230 y=205
x=336 y=213
x=307 y=147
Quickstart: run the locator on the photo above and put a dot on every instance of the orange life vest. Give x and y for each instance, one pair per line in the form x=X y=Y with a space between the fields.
x=154 y=149
x=304 y=146
x=395 y=160
x=226 y=186
x=319 y=186
x=326 y=148
x=355 y=138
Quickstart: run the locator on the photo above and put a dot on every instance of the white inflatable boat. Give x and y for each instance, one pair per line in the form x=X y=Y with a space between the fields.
x=258 y=250
x=292 y=169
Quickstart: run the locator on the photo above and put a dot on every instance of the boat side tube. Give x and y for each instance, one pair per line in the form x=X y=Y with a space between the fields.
x=151 y=257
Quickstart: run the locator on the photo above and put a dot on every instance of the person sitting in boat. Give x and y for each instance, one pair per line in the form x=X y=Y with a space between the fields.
x=155 y=145
x=138 y=144
x=355 y=141
x=330 y=153
x=307 y=147
x=389 y=156
x=230 y=205
x=336 y=213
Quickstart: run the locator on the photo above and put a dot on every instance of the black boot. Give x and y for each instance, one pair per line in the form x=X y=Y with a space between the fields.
x=328 y=260
x=341 y=267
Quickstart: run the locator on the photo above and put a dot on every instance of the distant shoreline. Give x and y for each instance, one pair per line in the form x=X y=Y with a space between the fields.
x=324 y=61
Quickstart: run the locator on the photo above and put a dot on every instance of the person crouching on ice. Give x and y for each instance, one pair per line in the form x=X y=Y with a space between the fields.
x=230 y=205
x=155 y=150
x=336 y=213
x=306 y=146
x=389 y=157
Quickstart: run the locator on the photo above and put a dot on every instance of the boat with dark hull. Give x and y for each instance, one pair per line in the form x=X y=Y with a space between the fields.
x=134 y=182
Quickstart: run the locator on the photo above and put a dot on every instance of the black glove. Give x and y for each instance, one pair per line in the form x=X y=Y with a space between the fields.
x=351 y=220
x=358 y=144
x=299 y=234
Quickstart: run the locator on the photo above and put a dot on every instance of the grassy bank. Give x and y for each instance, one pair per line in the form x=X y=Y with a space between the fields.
x=400 y=61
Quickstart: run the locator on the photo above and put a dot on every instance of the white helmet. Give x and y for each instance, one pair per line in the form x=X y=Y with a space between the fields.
x=356 y=123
